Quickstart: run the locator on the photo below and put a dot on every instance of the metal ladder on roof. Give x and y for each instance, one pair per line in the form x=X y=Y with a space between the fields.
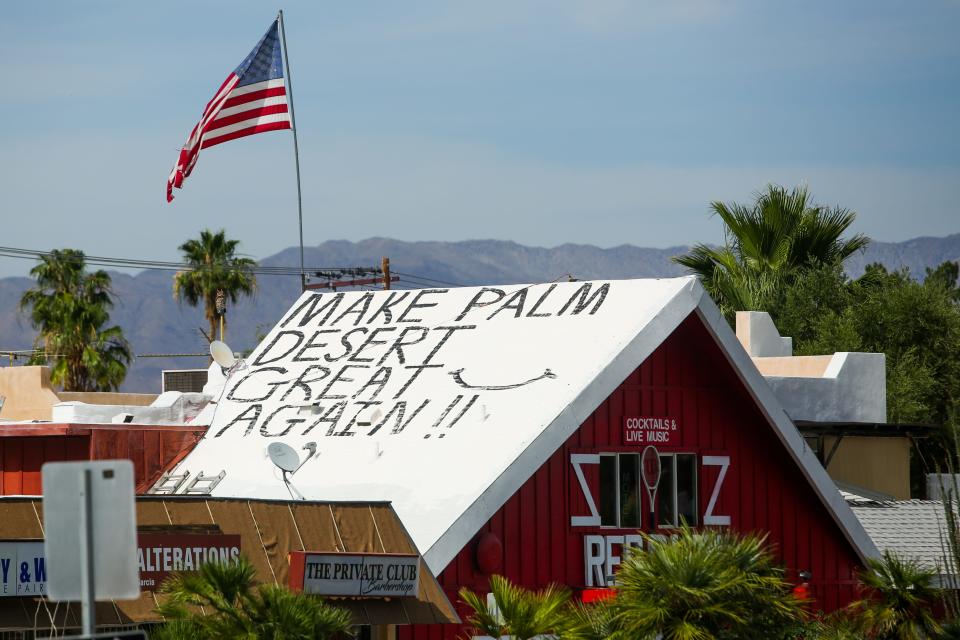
x=168 y=484
x=201 y=485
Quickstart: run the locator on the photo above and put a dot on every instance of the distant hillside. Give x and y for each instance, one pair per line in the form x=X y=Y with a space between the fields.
x=155 y=324
x=916 y=255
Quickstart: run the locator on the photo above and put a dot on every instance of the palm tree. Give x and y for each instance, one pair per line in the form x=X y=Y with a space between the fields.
x=766 y=242
x=901 y=600
x=220 y=601
x=520 y=613
x=594 y=621
x=836 y=626
x=213 y=266
x=705 y=585
x=69 y=308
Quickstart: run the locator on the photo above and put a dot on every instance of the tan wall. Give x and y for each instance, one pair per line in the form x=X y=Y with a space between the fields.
x=108 y=397
x=794 y=366
x=28 y=392
x=878 y=464
x=30 y=396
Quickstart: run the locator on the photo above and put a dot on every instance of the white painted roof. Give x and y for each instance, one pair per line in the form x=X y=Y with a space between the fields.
x=491 y=381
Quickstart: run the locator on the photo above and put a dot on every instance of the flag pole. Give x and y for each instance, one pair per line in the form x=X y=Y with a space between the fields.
x=296 y=147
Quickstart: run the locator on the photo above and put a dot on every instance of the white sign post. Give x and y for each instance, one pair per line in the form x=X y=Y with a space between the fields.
x=90 y=534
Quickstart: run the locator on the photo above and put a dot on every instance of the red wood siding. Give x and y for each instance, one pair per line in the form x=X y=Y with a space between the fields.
x=21 y=459
x=688 y=378
x=152 y=451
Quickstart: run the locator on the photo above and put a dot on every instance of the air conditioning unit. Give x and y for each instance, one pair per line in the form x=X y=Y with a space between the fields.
x=184 y=380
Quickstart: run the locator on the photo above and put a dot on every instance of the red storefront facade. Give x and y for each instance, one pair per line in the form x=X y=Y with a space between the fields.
x=725 y=449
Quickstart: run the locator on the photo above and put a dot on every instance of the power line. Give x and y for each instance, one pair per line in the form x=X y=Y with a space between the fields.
x=29 y=353
x=259 y=269
x=411 y=276
x=162 y=265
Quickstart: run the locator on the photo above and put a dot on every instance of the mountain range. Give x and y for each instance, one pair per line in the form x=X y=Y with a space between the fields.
x=157 y=326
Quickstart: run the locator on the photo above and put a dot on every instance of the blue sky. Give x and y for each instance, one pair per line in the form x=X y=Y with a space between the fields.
x=600 y=121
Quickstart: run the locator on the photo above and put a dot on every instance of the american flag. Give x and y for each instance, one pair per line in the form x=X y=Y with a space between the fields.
x=252 y=99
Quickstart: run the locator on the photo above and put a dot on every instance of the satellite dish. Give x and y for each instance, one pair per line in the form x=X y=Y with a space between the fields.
x=222 y=354
x=284 y=456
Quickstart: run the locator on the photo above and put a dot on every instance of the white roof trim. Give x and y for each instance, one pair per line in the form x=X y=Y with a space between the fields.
x=804 y=456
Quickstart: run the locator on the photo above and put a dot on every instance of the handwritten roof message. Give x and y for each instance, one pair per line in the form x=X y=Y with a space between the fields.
x=335 y=357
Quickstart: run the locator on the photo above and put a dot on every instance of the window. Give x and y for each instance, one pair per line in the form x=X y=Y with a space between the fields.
x=666 y=505
x=608 y=491
x=629 y=489
x=622 y=493
x=677 y=493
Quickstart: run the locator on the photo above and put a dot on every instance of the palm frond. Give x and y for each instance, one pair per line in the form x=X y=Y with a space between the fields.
x=69 y=308
x=220 y=600
x=702 y=584
x=902 y=597
x=214 y=266
x=766 y=244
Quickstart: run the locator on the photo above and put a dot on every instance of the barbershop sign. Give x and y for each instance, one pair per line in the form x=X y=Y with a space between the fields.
x=354 y=574
x=657 y=430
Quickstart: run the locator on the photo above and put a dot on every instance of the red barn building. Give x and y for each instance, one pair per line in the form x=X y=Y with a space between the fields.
x=506 y=425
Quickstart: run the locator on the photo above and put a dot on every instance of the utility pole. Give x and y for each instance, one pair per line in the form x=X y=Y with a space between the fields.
x=379 y=276
x=385 y=267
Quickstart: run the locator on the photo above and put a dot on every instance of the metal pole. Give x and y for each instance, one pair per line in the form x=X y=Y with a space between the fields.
x=296 y=147
x=385 y=267
x=87 y=577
